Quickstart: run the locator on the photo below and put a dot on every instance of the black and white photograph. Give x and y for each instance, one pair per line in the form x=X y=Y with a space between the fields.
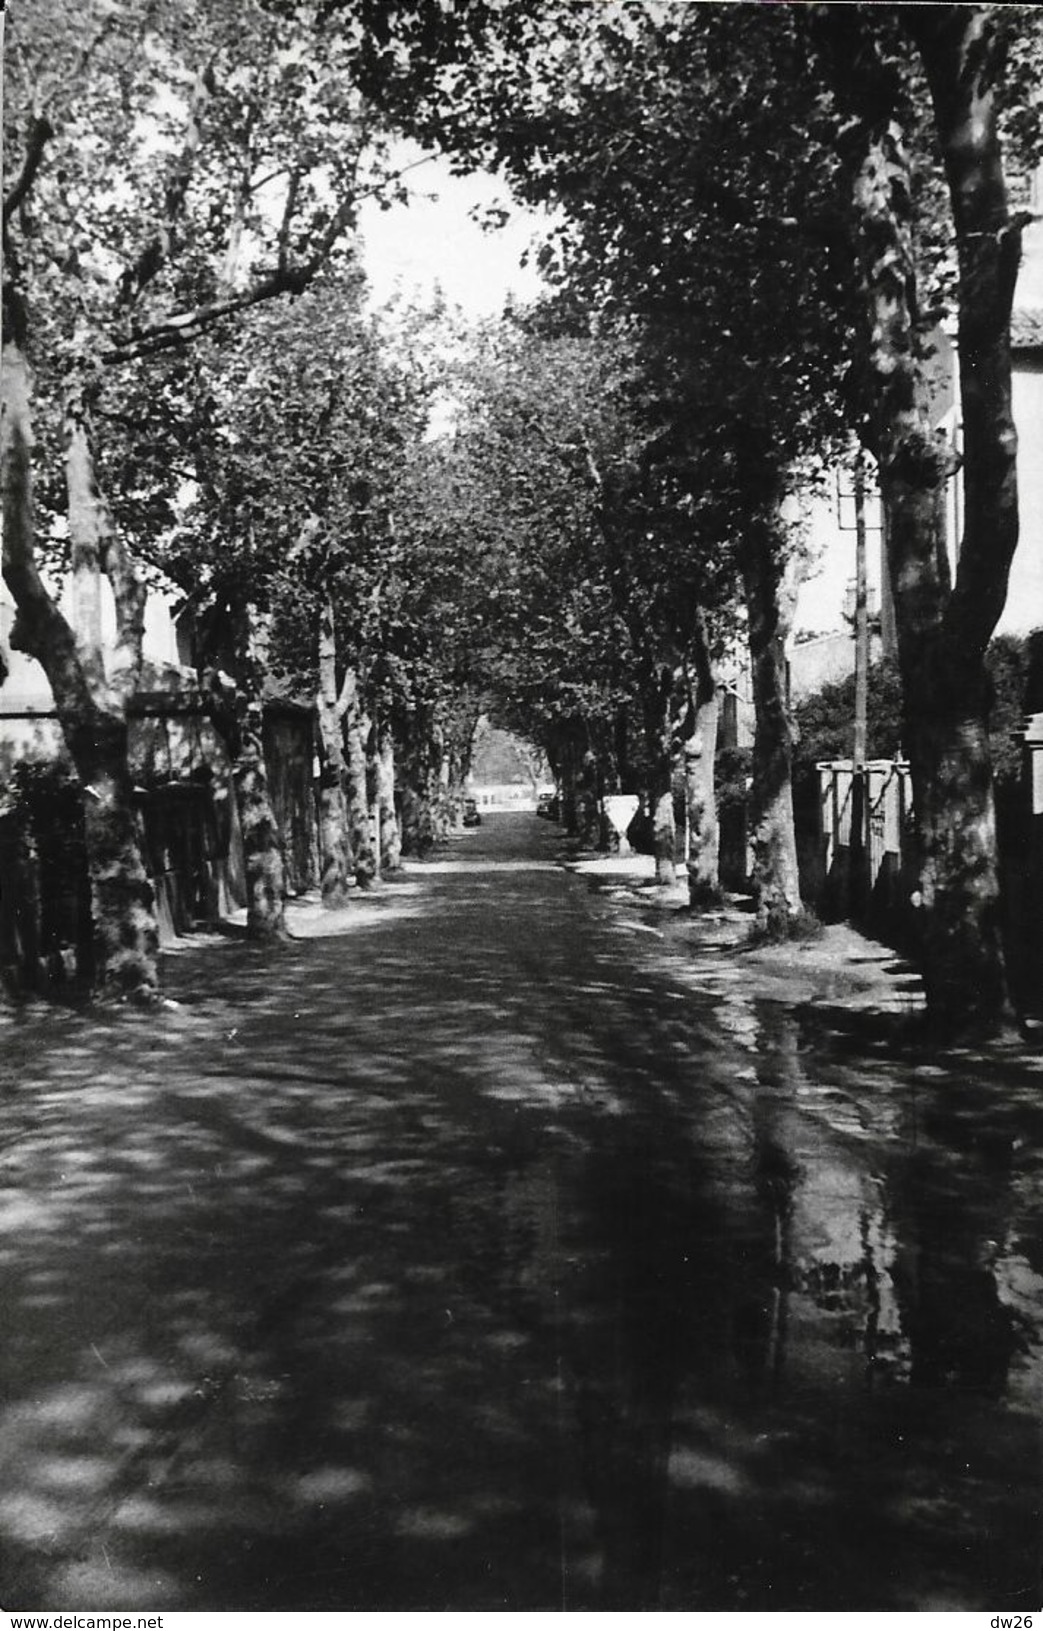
x=521 y=810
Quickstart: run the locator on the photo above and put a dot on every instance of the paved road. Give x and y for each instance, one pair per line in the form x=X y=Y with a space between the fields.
x=489 y=1253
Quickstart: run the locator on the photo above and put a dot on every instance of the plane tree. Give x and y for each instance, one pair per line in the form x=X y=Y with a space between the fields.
x=599 y=618
x=299 y=435
x=539 y=436
x=922 y=99
x=433 y=631
x=691 y=164
x=894 y=216
x=165 y=171
x=671 y=587
x=790 y=192
x=682 y=165
x=368 y=565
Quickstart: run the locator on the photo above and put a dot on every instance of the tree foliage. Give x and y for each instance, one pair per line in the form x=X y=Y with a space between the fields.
x=824 y=720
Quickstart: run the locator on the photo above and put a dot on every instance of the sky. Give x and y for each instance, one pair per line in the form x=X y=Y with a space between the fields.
x=433 y=241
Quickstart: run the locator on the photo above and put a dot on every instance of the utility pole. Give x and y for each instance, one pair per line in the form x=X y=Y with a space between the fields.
x=859 y=778
x=861 y=618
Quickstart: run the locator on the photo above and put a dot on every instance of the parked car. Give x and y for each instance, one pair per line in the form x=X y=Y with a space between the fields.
x=472 y=816
x=547 y=806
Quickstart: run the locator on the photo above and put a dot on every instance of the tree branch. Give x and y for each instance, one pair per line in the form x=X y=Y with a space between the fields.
x=348 y=692
x=702 y=661
x=157 y=250
x=262 y=181
x=40 y=132
x=180 y=329
x=242 y=195
x=343 y=217
x=96 y=545
x=283 y=240
x=40 y=630
x=594 y=473
x=962 y=49
x=168 y=332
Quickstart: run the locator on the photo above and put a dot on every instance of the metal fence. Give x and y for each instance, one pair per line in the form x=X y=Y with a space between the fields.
x=858 y=857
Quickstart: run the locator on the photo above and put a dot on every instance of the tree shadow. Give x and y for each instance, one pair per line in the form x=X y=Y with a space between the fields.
x=426 y=1267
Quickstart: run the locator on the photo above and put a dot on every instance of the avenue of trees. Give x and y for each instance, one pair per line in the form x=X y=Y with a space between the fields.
x=567 y=519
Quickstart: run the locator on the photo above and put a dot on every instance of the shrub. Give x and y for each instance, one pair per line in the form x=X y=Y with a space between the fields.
x=825 y=721
x=801 y=926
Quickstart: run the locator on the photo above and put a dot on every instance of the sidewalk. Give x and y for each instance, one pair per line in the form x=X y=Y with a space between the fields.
x=839 y=964
x=838 y=969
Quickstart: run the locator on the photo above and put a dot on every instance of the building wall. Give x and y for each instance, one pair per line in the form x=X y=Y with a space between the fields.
x=831 y=550
x=1024 y=608
x=820 y=603
x=188 y=827
x=25 y=690
x=826 y=660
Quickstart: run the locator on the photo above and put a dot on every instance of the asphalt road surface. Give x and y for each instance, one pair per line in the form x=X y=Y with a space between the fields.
x=480 y=1250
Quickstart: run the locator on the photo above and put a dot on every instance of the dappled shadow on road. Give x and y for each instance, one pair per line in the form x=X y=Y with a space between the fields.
x=433 y=1265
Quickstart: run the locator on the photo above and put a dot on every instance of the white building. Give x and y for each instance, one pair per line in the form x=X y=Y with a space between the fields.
x=820 y=607
x=27 y=716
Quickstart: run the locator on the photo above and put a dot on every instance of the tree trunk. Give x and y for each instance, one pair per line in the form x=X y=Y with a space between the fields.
x=357 y=728
x=262 y=848
x=417 y=827
x=961 y=942
x=390 y=838
x=588 y=801
x=659 y=737
x=943 y=632
x=96 y=548
x=458 y=768
x=621 y=747
x=334 y=854
x=334 y=838
x=239 y=722
x=85 y=524
x=769 y=609
x=441 y=800
x=569 y=815
x=455 y=782
x=664 y=836
x=92 y=716
x=126 y=937
x=460 y=725
x=699 y=751
x=373 y=798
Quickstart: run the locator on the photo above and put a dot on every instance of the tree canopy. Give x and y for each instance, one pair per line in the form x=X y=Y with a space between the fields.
x=761 y=216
